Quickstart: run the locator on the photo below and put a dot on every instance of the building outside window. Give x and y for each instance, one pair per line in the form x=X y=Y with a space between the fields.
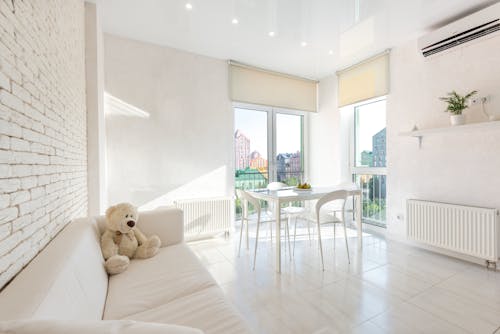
x=269 y=146
x=368 y=165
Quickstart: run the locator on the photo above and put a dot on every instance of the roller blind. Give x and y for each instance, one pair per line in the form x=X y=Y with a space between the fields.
x=364 y=81
x=252 y=85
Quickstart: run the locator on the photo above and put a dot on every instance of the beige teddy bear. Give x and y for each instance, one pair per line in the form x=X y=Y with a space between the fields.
x=123 y=241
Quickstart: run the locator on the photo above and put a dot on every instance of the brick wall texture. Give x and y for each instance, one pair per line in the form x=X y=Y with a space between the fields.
x=43 y=154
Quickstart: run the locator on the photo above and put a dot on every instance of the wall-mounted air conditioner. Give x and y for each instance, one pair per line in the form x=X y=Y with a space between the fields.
x=471 y=27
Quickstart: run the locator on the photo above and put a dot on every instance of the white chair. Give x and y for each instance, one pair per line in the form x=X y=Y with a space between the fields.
x=289 y=212
x=246 y=198
x=339 y=195
x=334 y=212
x=299 y=212
x=276 y=186
x=273 y=186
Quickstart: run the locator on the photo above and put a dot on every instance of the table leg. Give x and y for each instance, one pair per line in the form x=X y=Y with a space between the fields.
x=277 y=210
x=359 y=221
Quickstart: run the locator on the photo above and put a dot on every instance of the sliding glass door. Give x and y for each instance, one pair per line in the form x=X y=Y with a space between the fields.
x=289 y=148
x=268 y=147
x=251 y=153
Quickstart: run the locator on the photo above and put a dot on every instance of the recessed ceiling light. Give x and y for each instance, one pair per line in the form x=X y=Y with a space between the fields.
x=189 y=6
x=235 y=21
x=271 y=34
x=330 y=52
x=303 y=44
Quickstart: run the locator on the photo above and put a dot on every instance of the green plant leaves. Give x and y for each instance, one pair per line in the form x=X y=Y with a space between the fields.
x=457 y=103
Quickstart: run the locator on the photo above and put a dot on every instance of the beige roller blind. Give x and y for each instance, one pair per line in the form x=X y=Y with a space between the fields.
x=364 y=81
x=251 y=85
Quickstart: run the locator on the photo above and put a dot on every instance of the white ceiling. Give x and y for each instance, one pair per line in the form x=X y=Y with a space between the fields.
x=324 y=24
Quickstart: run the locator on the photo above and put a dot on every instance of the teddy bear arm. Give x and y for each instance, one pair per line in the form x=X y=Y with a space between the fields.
x=141 y=238
x=109 y=248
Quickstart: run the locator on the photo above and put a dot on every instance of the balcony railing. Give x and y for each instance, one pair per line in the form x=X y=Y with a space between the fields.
x=253 y=179
x=373 y=201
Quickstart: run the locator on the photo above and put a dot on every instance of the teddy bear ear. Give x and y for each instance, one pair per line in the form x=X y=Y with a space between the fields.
x=110 y=210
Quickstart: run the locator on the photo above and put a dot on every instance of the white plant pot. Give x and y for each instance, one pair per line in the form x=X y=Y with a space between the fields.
x=457 y=119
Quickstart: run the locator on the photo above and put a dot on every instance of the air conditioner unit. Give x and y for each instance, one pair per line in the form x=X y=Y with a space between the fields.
x=471 y=27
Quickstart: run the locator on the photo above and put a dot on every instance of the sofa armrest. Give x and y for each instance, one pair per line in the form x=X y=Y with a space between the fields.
x=166 y=222
x=61 y=326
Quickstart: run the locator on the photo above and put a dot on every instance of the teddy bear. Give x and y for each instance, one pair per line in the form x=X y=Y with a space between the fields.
x=123 y=241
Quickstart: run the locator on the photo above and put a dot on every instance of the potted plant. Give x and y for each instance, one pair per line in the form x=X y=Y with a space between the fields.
x=456 y=105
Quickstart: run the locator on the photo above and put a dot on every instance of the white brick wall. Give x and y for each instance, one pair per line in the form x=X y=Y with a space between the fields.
x=43 y=157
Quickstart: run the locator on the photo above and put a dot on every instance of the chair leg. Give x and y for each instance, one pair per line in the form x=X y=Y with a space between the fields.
x=271 y=230
x=334 y=235
x=271 y=223
x=320 y=245
x=288 y=237
x=241 y=235
x=248 y=242
x=346 y=244
x=294 y=236
x=309 y=230
x=256 y=241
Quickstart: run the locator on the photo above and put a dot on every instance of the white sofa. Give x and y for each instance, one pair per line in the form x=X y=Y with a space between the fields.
x=67 y=281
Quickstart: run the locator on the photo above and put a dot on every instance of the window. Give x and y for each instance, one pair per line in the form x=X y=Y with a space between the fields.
x=268 y=146
x=251 y=149
x=369 y=129
x=368 y=165
x=288 y=153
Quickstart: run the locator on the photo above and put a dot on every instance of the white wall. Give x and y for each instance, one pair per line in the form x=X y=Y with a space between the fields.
x=94 y=71
x=43 y=128
x=171 y=136
x=324 y=165
x=457 y=168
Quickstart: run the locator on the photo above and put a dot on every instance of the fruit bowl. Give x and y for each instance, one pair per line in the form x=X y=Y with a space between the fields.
x=301 y=189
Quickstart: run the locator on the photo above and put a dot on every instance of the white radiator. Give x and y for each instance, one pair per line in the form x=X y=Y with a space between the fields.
x=464 y=229
x=206 y=216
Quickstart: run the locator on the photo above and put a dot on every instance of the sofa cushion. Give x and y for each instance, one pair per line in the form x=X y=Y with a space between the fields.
x=173 y=273
x=66 y=280
x=166 y=222
x=172 y=287
x=206 y=309
x=53 y=326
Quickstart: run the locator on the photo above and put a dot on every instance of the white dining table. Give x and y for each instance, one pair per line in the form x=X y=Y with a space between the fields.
x=287 y=195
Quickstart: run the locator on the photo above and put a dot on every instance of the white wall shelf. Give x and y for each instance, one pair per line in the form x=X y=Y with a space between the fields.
x=419 y=134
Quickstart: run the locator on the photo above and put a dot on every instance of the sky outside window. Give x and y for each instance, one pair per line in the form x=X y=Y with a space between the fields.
x=253 y=124
x=370 y=120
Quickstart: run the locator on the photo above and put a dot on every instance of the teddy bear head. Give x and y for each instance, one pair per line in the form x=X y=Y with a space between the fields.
x=122 y=217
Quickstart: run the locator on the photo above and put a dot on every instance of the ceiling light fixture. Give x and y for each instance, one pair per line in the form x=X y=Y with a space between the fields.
x=189 y=6
x=235 y=21
x=303 y=44
x=330 y=52
x=271 y=34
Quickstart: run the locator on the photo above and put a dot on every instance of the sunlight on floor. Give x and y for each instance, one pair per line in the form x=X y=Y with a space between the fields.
x=387 y=287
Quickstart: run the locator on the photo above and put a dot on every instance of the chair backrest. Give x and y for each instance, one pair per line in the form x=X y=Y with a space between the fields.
x=352 y=192
x=276 y=185
x=333 y=196
x=243 y=195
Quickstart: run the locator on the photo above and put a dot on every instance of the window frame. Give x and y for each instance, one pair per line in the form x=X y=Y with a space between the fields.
x=360 y=170
x=352 y=140
x=271 y=134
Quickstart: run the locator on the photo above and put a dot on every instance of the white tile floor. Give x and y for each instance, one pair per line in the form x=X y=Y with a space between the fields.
x=388 y=287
